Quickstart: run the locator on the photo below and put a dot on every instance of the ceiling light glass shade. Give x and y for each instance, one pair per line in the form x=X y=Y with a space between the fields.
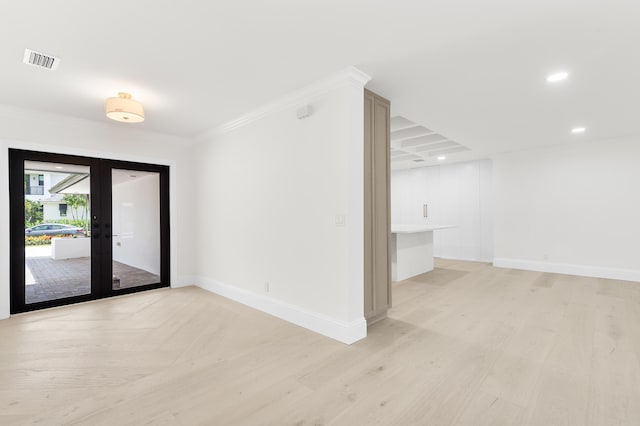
x=124 y=109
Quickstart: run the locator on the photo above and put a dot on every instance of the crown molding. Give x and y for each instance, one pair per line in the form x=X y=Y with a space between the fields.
x=350 y=75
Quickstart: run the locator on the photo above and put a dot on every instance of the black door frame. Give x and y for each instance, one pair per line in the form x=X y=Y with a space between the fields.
x=100 y=222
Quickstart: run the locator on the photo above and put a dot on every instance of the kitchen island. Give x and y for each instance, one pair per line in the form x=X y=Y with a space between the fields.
x=412 y=250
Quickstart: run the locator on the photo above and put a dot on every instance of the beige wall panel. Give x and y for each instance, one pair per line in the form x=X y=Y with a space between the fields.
x=377 y=213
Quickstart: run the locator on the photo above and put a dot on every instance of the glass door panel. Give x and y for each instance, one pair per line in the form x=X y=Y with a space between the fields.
x=136 y=254
x=57 y=243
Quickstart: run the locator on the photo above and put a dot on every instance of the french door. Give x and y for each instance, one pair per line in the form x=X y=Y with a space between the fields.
x=85 y=228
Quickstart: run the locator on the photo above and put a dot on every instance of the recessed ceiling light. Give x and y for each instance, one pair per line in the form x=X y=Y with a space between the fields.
x=442 y=158
x=578 y=130
x=559 y=76
x=59 y=167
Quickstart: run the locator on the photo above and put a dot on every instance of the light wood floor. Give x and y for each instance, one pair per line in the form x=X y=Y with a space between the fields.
x=466 y=344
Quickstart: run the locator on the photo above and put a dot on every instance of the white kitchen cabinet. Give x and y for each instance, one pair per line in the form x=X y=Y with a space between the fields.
x=459 y=194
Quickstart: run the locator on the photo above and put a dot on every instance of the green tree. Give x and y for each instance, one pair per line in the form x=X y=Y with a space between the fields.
x=33 y=213
x=78 y=203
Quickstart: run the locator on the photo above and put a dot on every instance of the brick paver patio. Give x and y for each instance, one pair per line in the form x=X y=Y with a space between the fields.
x=49 y=279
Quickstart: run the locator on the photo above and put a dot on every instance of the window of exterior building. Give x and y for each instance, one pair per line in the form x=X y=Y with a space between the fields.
x=63 y=209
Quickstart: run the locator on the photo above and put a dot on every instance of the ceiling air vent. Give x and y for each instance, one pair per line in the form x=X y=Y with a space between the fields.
x=40 y=60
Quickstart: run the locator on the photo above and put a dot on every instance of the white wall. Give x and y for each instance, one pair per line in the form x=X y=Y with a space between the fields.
x=270 y=190
x=570 y=209
x=266 y=198
x=50 y=179
x=51 y=212
x=136 y=223
x=457 y=194
x=49 y=132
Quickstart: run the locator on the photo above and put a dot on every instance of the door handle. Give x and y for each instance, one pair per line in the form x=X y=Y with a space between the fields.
x=425 y=210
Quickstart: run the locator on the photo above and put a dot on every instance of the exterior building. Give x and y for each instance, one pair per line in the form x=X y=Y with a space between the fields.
x=37 y=188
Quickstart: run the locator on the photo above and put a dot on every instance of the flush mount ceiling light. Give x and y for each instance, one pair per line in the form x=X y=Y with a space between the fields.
x=442 y=158
x=124 y=109
x=578 y=130
x=559 y=76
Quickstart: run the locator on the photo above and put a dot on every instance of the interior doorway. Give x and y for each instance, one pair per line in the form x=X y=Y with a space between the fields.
x=85 y=228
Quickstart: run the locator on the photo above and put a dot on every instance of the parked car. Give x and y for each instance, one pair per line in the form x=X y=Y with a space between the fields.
x=53 y=229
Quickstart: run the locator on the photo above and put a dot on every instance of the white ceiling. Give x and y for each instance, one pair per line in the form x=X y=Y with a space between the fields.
x=412 y=143
x=471 y=70
x=119 y=176
x=40 y=166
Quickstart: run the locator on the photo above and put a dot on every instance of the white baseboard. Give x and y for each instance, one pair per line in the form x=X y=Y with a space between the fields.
x=342 y=331
x=466 y=259
x=569 y=269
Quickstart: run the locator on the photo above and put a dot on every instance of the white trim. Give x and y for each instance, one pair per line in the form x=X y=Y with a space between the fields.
x=27 y=145
x=342 y=331
x=569 y=269
x=350 y=75
x=466 y=259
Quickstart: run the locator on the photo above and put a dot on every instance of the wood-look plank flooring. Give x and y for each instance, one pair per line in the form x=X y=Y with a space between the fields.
x=466 y=344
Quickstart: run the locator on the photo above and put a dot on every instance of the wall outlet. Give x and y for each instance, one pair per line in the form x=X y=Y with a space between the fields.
x=545 y=256
x=266 y=286
x=341 y=219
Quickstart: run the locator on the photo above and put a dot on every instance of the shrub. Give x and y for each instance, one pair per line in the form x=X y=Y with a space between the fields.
x=33 y=213
x=42 y=240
